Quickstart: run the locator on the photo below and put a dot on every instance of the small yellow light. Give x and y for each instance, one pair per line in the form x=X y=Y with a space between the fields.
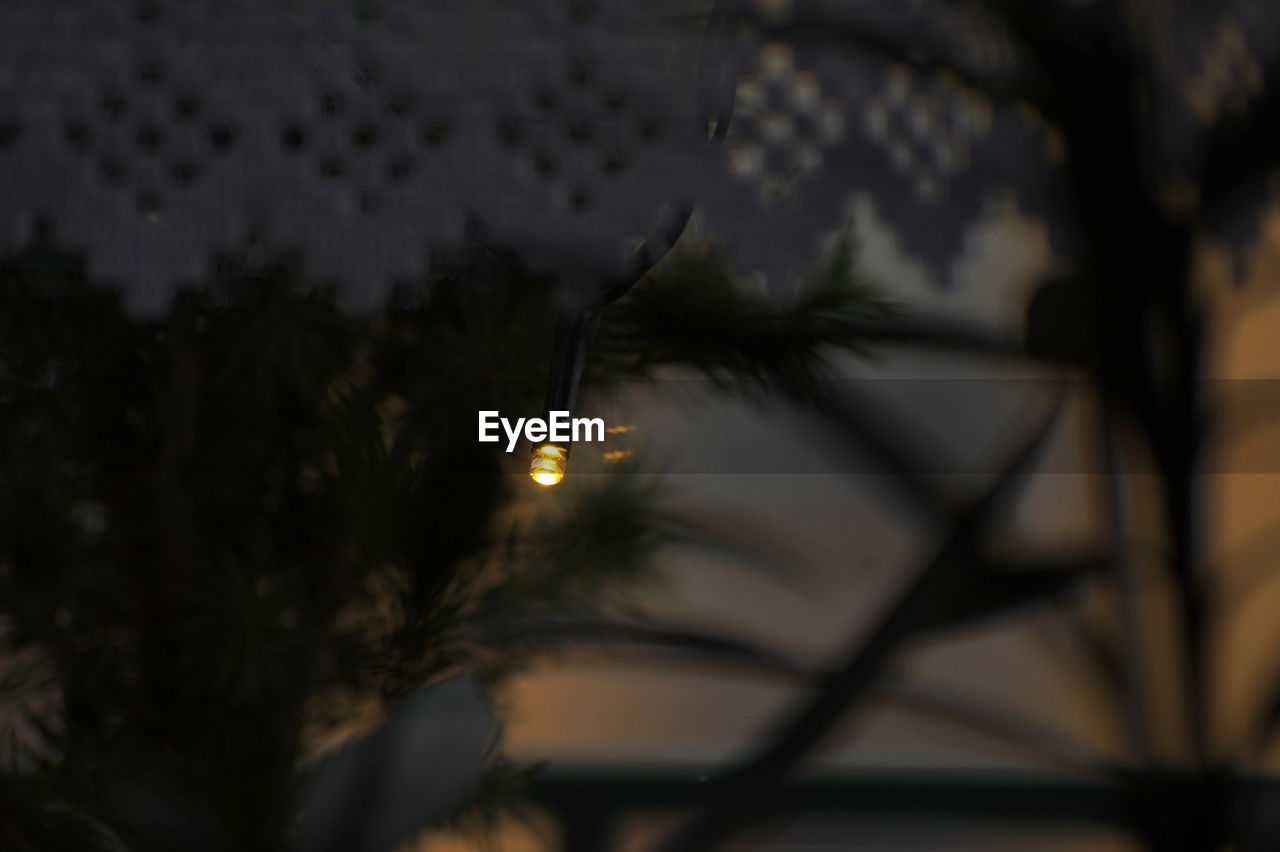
x=547 y=467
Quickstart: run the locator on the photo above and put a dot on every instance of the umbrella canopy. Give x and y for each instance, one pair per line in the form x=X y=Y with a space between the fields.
x=370 y=134
x=836 y=105
x=365 y=135
x=926 y=112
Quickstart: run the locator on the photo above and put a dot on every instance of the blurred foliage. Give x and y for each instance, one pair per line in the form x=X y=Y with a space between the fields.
x=695 y=313
x=232 y=536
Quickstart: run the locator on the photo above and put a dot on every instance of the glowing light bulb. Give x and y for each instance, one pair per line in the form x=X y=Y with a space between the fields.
x=547 y=467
